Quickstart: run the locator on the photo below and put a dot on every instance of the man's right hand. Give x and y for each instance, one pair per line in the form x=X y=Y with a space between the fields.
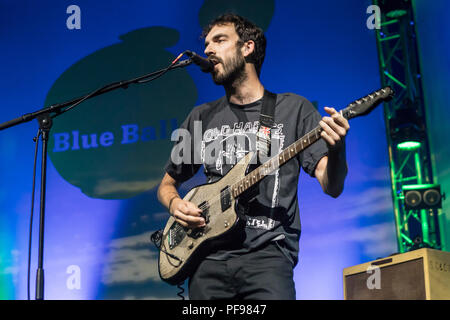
x=187 y=213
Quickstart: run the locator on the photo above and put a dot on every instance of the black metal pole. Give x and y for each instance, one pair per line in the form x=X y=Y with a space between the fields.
x=45 y=124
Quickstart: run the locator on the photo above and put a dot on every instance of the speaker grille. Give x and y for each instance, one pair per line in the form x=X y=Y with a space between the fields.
x=402 y=281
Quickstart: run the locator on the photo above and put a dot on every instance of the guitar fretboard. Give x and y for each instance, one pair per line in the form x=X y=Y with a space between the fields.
x=275 y=162
x=357 y=108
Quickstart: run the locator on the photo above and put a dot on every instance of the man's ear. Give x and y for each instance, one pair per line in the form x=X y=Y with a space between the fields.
x=248 y=48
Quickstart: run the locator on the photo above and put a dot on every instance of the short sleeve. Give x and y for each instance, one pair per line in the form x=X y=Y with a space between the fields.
x=308 y=120
x=183 y=161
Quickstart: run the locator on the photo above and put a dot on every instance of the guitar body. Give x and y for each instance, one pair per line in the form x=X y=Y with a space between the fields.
x=191 y=245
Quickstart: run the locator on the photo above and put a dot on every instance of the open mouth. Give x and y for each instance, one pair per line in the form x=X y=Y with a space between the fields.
x=214 y=61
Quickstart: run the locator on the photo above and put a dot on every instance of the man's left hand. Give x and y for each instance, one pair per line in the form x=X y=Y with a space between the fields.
x=335 y=128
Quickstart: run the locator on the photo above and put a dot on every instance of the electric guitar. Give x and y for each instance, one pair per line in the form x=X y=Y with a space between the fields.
x=182 y=248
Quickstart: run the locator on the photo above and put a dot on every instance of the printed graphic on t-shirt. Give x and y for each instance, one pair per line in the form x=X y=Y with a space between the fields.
x=260 y=223
x=232 y=143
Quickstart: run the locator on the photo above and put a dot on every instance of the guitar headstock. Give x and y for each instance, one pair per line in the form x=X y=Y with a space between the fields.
x=365 y=105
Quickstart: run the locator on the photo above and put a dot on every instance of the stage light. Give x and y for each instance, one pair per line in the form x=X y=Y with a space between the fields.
x=409 y=145
x=394 y=8
x=422 y=196
x=413 y=198
x=396 y=14
x=407 y=126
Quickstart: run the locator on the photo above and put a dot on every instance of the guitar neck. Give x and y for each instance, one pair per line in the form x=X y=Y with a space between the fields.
x=362 y=106
x=277 y=161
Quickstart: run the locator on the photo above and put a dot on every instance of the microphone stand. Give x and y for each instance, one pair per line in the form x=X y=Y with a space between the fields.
x=45 y=121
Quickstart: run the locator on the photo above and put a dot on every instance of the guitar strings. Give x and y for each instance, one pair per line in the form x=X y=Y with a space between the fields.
x=178 y=227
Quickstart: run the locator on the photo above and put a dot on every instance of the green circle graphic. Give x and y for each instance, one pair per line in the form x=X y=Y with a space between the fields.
x=114 y=146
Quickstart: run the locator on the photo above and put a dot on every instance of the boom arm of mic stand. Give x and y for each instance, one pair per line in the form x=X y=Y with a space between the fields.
x=113 y=86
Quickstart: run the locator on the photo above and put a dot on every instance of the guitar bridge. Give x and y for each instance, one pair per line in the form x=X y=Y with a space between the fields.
x=176 y=235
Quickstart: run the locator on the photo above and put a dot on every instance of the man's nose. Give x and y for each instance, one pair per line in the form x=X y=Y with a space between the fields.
x=209 y=50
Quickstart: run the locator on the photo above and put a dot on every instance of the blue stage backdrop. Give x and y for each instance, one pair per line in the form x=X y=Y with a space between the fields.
x=106 y=156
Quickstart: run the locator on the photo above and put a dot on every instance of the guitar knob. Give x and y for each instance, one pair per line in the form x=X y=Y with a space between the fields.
x=226 y=224
x=191 y=245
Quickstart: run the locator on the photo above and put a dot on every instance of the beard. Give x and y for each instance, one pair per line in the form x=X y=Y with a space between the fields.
x=233 y=70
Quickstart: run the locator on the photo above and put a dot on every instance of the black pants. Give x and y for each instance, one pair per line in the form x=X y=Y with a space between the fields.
x=265 y=274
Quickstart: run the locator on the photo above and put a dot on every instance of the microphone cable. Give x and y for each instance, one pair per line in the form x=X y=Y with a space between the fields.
x=180 y=293
x=172 y=64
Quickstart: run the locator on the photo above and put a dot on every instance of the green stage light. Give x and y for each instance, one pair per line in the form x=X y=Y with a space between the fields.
x=419 y=186
x=396 y=14
x=409 y=145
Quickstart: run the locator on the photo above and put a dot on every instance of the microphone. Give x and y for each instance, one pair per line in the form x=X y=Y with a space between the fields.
x=204 y=64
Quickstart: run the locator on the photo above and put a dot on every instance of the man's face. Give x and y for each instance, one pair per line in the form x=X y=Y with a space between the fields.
x=223 y=49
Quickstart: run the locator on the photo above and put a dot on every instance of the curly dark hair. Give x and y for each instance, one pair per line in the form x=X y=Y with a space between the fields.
x=246 y=31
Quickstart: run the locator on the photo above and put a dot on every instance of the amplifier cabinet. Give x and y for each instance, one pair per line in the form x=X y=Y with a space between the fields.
x=415 y=275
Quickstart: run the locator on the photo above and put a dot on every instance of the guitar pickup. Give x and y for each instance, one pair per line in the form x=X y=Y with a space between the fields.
x=205 y=211
x=225 y=198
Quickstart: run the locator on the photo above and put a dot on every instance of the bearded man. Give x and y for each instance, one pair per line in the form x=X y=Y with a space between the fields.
x=258 y=263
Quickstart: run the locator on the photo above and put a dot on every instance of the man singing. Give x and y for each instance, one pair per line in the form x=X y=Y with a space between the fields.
x=259 y=263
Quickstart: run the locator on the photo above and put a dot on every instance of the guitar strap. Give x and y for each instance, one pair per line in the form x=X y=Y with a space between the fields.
x=266 y=124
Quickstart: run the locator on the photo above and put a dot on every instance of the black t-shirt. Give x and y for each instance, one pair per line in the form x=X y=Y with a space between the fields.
x=273 y=213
